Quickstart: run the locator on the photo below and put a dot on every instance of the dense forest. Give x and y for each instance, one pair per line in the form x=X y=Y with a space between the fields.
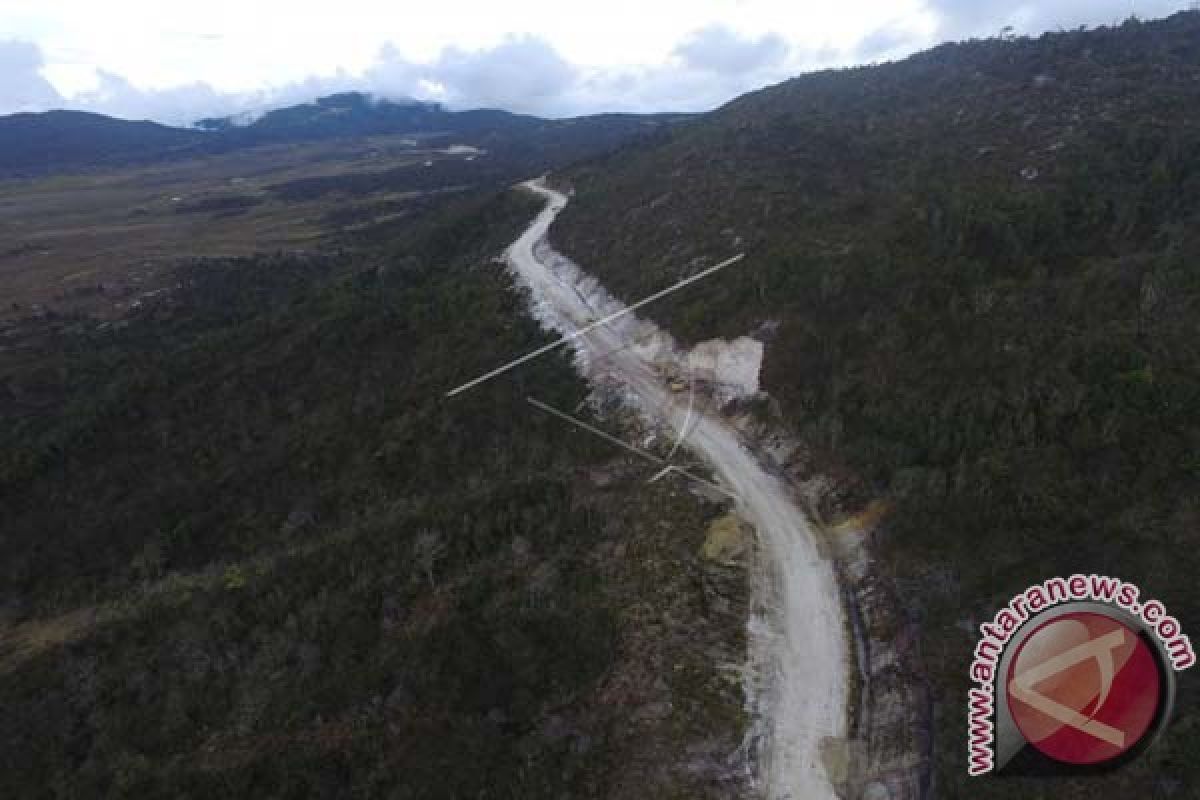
x=984 y=266
x=249 y=550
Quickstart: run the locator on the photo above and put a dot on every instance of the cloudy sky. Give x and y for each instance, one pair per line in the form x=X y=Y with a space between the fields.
x=176 y=62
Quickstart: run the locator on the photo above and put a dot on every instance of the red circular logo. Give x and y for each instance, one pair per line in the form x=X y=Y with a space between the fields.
x=1084 y=688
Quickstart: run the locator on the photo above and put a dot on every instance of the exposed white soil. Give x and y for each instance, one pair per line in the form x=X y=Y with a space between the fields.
x=732 y=367
x=798 y=668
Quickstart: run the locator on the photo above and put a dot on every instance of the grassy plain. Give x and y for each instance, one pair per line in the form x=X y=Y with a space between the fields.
x=95 y=242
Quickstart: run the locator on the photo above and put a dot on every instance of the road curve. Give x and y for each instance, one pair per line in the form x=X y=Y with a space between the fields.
x=803 y=657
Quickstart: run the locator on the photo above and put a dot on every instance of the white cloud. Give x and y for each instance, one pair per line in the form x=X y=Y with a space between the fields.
x=886 y=41
x=964 y=18
x=716 y=48
x=178 y=62
x=182 y=105
x=521 y=74
x=22 y=87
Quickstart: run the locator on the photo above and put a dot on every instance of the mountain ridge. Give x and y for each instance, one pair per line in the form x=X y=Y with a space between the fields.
x=33 y=144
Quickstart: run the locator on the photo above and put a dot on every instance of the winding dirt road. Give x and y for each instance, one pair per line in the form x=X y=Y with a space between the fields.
x=800 y=657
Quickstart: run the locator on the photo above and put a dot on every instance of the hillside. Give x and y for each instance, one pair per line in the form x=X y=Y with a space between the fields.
x=246 y=546
x=977 y=270
x=62 y=141
x=355 y=115
x=34 y=144
x=249 y=550
x=118 y=215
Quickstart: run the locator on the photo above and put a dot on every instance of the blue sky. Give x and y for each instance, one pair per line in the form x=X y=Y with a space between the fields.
x=179 y=62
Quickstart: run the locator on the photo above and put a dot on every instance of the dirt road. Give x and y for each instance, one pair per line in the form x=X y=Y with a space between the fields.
x=799 y=653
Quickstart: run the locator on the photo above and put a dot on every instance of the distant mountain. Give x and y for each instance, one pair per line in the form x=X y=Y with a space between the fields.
x=348 y=114
x=64 y=140
x=58 y=141
x=353 y=114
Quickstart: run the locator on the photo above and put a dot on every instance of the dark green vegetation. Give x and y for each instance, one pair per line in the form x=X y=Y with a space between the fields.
x=60 y=141
x=33 y=144
x=248 y=550
x=986 y=268
x=352 y=114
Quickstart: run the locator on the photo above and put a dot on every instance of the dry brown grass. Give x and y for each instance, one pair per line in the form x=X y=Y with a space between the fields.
x=30 y=639
x=95 y=242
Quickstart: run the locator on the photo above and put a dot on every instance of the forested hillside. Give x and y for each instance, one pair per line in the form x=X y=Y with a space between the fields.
x=33 y=144
x=249 y=550
x=985 y=269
